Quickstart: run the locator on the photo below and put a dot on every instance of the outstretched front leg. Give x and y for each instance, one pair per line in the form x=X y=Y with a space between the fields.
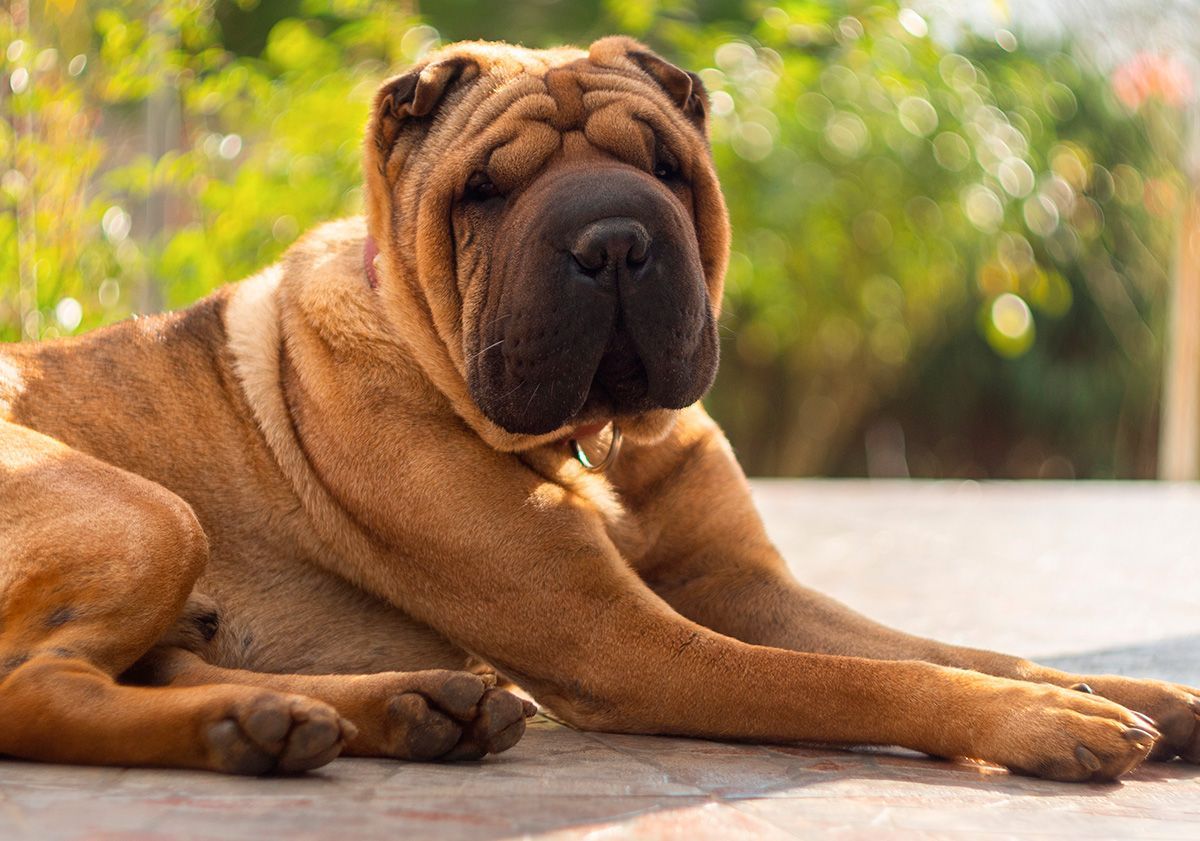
x=717 y=567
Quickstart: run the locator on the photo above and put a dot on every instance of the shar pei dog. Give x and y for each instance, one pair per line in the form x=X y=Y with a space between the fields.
x=453 y=446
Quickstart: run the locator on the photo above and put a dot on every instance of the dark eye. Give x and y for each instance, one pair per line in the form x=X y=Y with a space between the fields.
x=480 y=187
x=665 y=169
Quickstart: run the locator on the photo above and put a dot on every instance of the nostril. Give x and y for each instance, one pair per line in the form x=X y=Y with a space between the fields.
x=639 y=252
x=591 y=256
x=613 y=242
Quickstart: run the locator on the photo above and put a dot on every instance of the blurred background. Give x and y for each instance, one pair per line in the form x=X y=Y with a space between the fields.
x=967 y=234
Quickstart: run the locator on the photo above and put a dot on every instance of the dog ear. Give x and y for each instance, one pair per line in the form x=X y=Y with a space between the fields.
x=415 y=94
x=684 y=87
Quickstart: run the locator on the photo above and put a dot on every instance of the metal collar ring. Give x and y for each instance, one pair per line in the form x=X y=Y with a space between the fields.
x=614 y=449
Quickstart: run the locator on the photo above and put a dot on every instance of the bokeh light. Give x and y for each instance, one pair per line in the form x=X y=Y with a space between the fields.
x=950 y=222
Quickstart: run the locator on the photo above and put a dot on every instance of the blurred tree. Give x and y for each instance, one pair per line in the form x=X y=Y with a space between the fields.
x=948 y=260
x=935 y=238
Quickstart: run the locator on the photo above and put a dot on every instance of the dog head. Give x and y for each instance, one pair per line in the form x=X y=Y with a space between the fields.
x=554 y=216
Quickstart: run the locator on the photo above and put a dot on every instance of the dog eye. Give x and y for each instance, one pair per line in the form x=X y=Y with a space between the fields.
x=666 y=169
x=480 y=187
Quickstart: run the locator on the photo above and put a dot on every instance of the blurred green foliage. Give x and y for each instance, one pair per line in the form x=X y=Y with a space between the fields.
x=948 y=258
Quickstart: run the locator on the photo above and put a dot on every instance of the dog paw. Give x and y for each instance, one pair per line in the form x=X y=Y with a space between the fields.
x=1172 y=709
x=451 y=715
x=269 y=732
x=1060 y=734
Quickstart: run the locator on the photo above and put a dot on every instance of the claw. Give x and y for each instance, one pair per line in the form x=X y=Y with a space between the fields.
x=1136 y=734
x=1083 y=687
x=1087 y=759
x=1145 y=719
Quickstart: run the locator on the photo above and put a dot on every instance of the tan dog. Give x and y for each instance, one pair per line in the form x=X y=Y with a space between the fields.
x=297 y=511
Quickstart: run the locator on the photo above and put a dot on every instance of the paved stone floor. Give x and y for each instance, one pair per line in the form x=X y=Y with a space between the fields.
x=1088 y=576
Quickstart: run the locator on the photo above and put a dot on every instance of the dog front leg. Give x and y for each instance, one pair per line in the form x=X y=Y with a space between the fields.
x=716 y=566
x=537 y=589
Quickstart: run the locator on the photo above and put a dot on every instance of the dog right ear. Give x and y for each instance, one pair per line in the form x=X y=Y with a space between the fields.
x=414 y=94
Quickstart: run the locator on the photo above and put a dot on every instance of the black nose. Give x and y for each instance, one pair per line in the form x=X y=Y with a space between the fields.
x=615 y=243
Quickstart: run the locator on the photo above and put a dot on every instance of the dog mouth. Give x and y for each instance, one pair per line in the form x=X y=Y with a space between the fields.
x=584 y=376
x=621 y=384
x=559 y=390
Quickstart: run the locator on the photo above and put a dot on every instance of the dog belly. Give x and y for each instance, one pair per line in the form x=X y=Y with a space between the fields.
x=290 y=616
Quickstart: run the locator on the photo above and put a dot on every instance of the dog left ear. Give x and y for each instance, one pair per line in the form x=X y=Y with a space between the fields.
x=415 y=94
x=683 y=86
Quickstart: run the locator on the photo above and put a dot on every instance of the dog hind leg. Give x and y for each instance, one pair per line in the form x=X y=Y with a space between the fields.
x=95 y=564
x=433 y=714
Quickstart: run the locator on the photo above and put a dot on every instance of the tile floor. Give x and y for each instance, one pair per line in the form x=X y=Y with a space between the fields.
x=1089 y=576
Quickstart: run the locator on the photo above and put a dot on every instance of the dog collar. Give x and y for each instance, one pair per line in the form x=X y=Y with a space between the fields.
x=370 y=256
x=614 y=449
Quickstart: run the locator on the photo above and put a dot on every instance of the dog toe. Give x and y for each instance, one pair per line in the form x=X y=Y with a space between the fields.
x=419 y=731
x=271 y=732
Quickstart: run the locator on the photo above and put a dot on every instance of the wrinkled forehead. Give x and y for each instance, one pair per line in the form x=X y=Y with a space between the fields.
x=516 y=119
